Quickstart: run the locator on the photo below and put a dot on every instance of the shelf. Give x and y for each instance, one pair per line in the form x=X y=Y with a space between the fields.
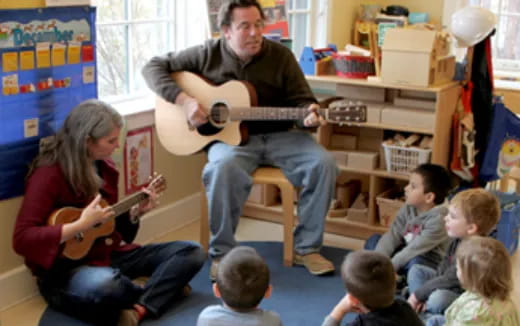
x=386 y=127
x=333 y=225
x=352 y=229
x=364 y=82
x=378 y=173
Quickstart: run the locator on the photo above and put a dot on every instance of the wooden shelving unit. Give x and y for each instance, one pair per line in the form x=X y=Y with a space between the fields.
x=376 y=180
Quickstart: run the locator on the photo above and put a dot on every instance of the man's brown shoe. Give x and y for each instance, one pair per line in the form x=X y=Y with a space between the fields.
x=186 y=291
x=213 y=270
x=315 y=263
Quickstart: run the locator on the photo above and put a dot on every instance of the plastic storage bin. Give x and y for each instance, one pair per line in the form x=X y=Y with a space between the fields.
x=404 y=159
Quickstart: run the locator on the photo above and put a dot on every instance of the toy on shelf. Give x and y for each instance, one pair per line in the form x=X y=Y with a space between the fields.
x=317 y=61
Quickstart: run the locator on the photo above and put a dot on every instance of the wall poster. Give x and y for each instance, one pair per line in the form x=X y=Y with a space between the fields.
x=138 y=159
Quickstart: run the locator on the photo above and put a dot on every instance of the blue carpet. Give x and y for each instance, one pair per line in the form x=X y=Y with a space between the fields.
x=299 y=297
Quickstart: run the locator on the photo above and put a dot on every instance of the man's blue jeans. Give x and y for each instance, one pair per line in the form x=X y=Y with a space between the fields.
x=305 y=163
x=440 y=299
x=98 y=294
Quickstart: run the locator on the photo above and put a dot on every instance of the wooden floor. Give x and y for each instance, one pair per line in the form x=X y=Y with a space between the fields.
x=29 y=312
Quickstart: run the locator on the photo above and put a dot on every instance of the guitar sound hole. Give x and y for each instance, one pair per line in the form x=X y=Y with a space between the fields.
x=218 y=117
x=79 y=237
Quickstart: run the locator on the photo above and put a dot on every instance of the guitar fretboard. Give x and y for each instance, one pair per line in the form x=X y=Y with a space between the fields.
x=268 y=113
x=125 y=205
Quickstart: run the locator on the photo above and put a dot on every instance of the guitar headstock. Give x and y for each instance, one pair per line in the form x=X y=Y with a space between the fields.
x=344 y=112
x=157 y=183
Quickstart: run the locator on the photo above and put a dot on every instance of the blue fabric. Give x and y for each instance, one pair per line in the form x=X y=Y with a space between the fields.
x=437 y=320
x=299 y=297
x=503 y=149
x=227 y=180
x=440 y=299
x=508 y=226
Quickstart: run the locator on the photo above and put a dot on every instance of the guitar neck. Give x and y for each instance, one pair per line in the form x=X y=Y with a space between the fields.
x=124 y=205
x=270 y=113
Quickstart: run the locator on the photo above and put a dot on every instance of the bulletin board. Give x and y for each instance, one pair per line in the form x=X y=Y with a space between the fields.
x=47 y=66
x=275 y=13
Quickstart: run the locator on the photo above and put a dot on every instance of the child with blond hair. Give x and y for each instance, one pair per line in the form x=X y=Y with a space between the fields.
x=471 y=212
x=485 y=271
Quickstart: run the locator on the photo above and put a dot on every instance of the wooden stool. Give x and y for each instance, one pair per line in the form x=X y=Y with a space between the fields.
x=262 y=175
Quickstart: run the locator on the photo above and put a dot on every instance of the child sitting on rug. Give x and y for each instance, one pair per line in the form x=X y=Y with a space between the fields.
x=484 y=269
x=370 y=282
x=471 y=212
x=242 y=282
x=417 y=235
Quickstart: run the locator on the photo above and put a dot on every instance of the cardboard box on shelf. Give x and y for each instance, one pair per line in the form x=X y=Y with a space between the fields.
x=411 y=57
x=359 y=210
x=361 y=93
x=408 y=117
x=364 y=160
x=341 y=157
x=374 y=112
x=414 y=103
x=343 y=141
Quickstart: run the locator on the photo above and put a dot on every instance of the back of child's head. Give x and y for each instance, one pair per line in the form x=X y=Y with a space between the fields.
x=436 y=179
x=484 y=267
x=242 y=278
x=370 y=277
x=479 y=207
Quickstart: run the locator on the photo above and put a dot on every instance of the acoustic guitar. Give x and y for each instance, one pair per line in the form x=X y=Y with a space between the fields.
x=78 y=246
x=228 y=104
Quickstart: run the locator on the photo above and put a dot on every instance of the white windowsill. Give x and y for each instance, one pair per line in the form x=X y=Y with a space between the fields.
x=138 y=112
x=510 y=81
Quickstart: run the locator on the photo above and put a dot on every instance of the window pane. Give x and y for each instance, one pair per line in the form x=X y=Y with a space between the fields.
x=298 y=24
x=148 y=9
x=507 y=38
x=110 y=10
x=299 y=4
x=148 y=40
x=112 y=63
x=511 y=6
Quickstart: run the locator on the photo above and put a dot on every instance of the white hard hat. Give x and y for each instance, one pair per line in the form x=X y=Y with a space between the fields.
x=470 y=25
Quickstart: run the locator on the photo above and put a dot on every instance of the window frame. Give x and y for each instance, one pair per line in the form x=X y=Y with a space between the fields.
x=502 y=66
x=128 y=23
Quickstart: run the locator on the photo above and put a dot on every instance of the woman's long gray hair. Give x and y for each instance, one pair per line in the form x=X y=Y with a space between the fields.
x=90 y=120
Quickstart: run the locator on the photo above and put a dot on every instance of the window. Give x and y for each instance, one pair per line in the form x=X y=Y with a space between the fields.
x=506 y=42
x=130 y=32
x=307 y=23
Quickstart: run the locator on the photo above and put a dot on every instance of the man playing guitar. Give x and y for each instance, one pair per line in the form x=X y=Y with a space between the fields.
x=241 y=53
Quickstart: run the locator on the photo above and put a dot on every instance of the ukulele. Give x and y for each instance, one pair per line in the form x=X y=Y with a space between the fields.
x=78 y=246
x=228 y=105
